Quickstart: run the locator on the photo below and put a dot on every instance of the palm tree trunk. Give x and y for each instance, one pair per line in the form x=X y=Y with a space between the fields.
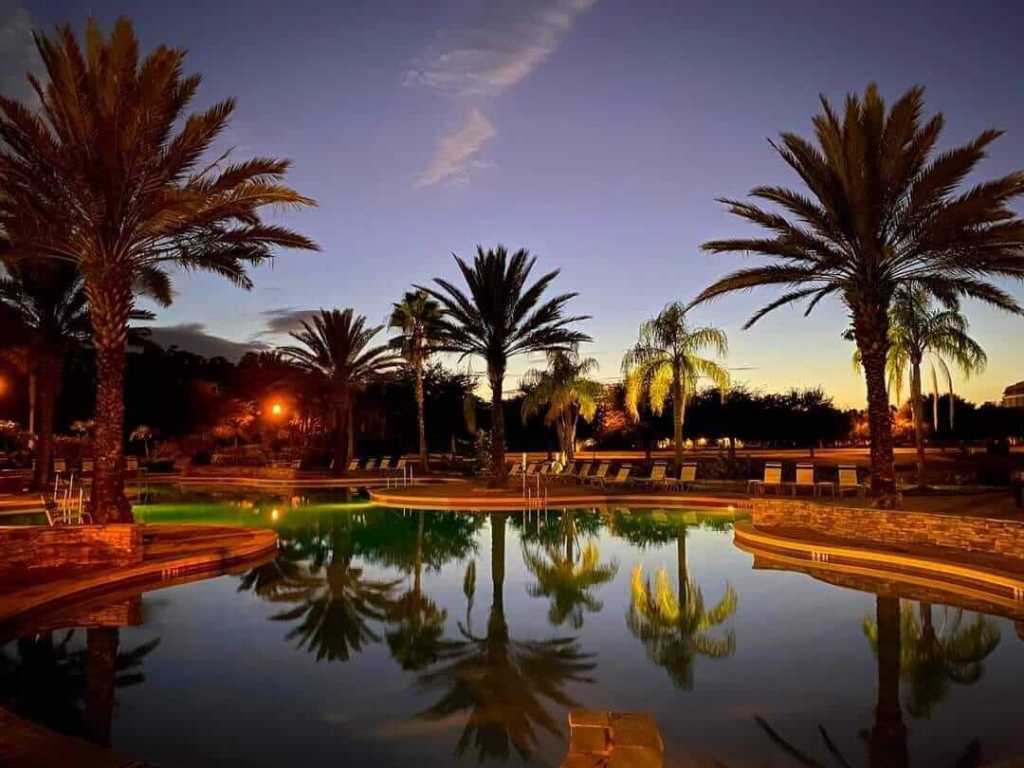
x=499 y=472
x=350 y=430
x=572 y=420
x=421 y=420
x=918 y=416
x=677 y=417
x=32 y=389
x=47 y=385
x=888 y=741
x=109 y=504
x=498 y=520
x=342 y=436
x=682 y=568
x=871 y=328
x=101 y=670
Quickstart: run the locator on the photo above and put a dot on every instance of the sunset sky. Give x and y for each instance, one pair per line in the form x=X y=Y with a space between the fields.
x=596 y=134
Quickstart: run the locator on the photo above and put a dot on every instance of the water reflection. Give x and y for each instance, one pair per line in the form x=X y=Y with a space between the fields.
x=66 y=686
x=934 y=658
x=675 y=627
x=503 y=684
x=567 y=573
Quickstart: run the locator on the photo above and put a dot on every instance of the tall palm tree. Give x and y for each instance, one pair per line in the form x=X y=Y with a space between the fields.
x=666 y=360
x=501 y=681
x=336 y=352
x=566 y=391
x=416 y=317
x=502 y=317
x=882 y=212
x=107 y=174
x=567 y=574
x=43 y=311
x=918 y=331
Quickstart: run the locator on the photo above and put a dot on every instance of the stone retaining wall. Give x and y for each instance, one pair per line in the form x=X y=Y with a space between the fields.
x=892 y=527
x=28 y=552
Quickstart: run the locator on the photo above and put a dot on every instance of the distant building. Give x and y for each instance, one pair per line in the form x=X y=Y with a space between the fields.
x=1013 y=395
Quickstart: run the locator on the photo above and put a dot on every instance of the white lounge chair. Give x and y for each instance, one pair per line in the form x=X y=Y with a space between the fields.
x=598 y=477
x=772 y=479
x=371 y=464
x=620 y=478
x=353 y=465
x=848 y=481
x=687 y=476
x=805 y=478
x=657 y=476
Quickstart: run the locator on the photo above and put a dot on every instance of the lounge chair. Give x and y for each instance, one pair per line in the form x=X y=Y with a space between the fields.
x=559 y=471
x=848 y=481
x=385 y=464
x=772 y=479
x=582 y=470
x=131 y=465
x=60 y=466
x=370 y=465
x=516 y=470
x=545 y=468
x=657 y=476
x=805 y=478
x=620 y=478
x=353 y=465
x=598 y=477
x=88 y=466
x=687 y=476
x=531 y=468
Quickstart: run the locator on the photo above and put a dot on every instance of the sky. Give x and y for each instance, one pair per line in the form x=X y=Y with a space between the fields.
x=595 y=133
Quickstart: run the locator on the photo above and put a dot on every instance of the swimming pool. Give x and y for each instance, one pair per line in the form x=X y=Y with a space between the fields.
x=390 y=637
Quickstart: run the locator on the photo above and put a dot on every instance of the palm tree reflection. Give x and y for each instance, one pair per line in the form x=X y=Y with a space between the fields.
x=504 y=684
x=567 y=575
x=929 y=660
x=70 y=690
x=676 y=627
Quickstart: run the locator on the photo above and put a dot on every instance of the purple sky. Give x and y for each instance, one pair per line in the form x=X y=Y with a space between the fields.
x=596 y=134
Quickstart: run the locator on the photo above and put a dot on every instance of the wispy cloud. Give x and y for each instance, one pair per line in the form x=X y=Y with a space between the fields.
x=456 y=152
x=18 y=55
x=480 y=62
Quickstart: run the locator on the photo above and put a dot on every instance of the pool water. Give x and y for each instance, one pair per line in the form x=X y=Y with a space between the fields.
x=391 y=637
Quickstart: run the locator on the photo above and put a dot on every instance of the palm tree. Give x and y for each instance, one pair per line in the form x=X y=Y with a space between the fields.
x=882 y=213
x=567 y=575
x=502 y=317
x=336 y=352
x=43 y=310
x=567 y=392
x=918 y=331
x=107 y=175
x=504 y=682
x=416 y=317
x=932 y=658
x=666 y=361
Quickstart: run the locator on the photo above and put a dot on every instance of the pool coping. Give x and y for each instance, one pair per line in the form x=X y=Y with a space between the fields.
x=512 y=502
x=1004 y=589
x=250 y=544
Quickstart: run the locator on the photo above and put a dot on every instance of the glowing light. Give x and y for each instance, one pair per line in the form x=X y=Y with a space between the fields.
x=276 y=409
x=274 y=514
